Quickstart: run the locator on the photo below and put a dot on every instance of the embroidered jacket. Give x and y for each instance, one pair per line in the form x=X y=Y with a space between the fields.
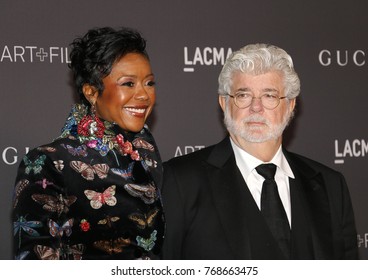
x=93 y=193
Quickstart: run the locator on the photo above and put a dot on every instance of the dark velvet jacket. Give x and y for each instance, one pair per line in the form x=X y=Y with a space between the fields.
x=73 y=201
x=211 y=214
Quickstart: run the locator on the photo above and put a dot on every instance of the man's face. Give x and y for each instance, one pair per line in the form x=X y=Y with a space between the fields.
x=255 y=123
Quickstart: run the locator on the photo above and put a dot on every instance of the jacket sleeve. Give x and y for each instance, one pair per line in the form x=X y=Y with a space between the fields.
x=174 y=215
x=348 y=224
x=38 y=206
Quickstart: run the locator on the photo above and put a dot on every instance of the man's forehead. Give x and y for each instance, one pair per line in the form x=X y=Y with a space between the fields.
x=265 y=82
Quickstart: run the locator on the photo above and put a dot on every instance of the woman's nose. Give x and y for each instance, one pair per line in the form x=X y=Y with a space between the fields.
x=141 y=93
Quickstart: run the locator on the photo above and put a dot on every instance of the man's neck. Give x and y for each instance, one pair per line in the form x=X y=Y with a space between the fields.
x=264 y=151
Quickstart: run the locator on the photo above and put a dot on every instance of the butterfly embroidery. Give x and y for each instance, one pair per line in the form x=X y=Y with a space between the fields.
x=47 y=149
x=35 y=166
x=19 y=187
x=75 y=250
x=58 y=204
x=59 y=165
x=145 y=192
x=27 y=226
x=22 y=255
x=108 y=221
x=126 y=174
x=77 y=151
x=150 y=162
x=44 y=183
x=58 y=231
x=149 y=243
x=141 y=143
x=48 y=253
x=98 y=199
x=88 y=171
x=144 y=220
x=112 y=246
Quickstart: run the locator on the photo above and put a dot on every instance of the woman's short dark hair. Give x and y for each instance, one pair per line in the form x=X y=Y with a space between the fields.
x=93 y=55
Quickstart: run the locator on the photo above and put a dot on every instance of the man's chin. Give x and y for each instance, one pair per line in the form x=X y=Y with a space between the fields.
x=257 y=137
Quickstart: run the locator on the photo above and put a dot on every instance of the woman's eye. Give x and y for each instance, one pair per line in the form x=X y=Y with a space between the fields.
x=151 y=83
x=128 y=84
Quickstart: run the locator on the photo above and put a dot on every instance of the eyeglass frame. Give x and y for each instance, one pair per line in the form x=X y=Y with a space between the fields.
x=253 y=97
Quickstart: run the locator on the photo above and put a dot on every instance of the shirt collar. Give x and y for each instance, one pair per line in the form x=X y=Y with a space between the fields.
x=247 y=163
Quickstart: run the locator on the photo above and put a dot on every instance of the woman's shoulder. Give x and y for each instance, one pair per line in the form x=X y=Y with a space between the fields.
x=53 y=147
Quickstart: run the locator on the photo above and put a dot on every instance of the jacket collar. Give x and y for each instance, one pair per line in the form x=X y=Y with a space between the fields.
x=226 y=184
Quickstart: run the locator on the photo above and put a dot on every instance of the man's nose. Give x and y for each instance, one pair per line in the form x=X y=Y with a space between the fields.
x=256 y=104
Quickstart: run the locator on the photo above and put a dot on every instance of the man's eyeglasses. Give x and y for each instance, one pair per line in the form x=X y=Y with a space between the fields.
x=269 y=100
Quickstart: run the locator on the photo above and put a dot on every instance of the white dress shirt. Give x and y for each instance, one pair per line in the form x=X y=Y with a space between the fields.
x=247 y=164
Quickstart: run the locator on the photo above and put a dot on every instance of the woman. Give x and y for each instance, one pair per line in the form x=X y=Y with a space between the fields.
x=93 y=192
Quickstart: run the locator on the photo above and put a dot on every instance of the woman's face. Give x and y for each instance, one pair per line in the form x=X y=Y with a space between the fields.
x=129 y=93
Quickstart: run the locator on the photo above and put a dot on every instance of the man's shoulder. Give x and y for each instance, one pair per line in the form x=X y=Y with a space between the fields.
x=192 y=158
x=306 y=162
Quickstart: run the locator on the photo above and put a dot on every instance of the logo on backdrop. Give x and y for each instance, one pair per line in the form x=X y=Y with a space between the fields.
x=34 y=54
x=11 y=155
x=350 y=148
x=187 y=150
x=363 y=240
x=208 y=56
x=342 y=57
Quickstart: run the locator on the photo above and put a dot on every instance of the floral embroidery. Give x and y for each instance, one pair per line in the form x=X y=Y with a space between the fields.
x=95 y=133
x=90 y=127
x=84 y=225
x=126 y=148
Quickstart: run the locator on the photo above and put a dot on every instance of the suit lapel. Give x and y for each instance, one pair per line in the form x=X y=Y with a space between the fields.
x=226 y=185
x=311 y=217
x=301 y=236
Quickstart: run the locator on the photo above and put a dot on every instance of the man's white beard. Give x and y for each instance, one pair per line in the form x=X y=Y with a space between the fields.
x=252 y=134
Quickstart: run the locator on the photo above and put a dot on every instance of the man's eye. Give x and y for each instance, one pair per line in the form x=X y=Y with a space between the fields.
x=243 y=95
x=270 y=96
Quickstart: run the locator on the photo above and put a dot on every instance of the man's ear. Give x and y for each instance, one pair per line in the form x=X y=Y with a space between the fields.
x=90 y=93
x=222 y=102
x=292 y=104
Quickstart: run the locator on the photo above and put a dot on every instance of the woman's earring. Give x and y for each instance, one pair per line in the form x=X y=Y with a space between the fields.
x=93 y=126
x=92 y=110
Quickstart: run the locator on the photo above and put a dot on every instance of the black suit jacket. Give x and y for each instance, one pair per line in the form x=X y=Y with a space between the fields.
x=210 y=213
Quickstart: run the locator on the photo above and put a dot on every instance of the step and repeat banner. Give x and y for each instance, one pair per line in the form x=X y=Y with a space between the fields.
x=188 y=42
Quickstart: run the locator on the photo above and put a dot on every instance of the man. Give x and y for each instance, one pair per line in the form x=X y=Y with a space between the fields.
x=219 y=204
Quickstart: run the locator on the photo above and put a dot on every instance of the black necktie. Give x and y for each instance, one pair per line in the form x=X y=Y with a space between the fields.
x=272 y=208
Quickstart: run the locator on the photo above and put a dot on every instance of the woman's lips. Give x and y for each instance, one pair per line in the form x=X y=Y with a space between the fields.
x=139 y=112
